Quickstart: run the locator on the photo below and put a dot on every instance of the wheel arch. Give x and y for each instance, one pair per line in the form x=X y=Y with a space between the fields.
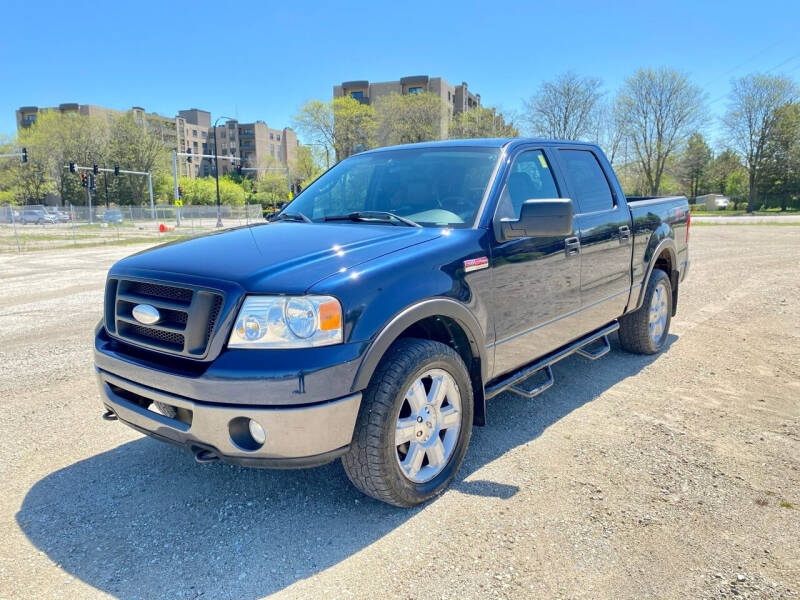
x=663 y=255
x=443 y=320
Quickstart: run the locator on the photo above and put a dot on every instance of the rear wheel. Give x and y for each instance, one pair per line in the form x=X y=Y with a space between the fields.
x=645 y=331
x=414 y=424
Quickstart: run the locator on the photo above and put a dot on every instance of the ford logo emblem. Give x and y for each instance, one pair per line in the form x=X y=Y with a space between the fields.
x=146 y=314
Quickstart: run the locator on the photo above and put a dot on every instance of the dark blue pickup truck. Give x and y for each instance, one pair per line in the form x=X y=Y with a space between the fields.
x=382 y=308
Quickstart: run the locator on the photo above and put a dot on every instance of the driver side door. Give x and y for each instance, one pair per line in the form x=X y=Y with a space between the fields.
x=536 y=279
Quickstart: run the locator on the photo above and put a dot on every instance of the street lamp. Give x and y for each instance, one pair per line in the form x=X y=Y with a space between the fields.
x=216 y=168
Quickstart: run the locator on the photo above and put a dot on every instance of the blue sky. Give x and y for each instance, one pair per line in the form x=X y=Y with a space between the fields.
x=262 y=60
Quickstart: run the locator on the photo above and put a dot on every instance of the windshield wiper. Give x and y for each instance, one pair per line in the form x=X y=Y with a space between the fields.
x=380 y=215
x=298 y=216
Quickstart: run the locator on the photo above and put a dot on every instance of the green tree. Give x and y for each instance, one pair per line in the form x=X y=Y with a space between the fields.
x=658 y=109
x=565 y=109
x=307 y=167
x=694 y=164
x=135 y=147
x=481 y=122
x=752 y=120
x=56 y=139
x=781 y=175
x=410 y=118
x=343 y=126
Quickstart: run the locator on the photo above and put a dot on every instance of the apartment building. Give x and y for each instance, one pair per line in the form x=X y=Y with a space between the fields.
x=169 y=128
x=192 y=131
x=457 y=96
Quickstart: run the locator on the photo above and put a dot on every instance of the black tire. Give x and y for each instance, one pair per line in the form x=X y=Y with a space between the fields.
x=372 y=463
x=634 y=328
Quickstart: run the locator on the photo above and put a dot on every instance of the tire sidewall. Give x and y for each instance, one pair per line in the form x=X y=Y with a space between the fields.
x=655 y=280
x=418 y=492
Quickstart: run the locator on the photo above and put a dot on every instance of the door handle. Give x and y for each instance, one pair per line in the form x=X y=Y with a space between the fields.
x=572 y=246
x=624 y=234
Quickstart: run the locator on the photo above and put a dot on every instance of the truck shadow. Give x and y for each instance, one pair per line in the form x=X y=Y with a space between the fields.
x=144 y=521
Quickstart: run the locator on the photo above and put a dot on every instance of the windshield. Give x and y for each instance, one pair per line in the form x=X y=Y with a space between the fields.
x=432 y=186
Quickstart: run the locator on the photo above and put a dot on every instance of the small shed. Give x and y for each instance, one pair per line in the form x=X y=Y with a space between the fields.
x=713 y=201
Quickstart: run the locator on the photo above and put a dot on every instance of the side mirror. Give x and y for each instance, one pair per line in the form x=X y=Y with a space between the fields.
x=539 y=218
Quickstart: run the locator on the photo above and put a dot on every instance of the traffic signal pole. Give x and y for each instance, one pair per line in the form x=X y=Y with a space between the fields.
x=74 y=168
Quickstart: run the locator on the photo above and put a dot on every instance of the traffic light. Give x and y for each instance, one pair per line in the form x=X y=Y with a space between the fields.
x=116 y=170
x=95 y=170
x=91 y=182
x=239 y=168
x=72 y=168
x=189 y=152
x=24 y=155
x=180 y=192
x=84 y=180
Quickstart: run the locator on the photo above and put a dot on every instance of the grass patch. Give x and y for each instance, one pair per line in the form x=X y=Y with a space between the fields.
x=764 y=223
x=737 y=213
x=68 y=245
x=785 y=504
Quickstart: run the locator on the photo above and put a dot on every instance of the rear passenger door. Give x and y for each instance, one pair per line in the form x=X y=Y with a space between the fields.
x=603 y=222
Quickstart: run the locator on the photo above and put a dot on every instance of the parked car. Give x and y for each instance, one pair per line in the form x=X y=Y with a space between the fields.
x=8 y=214
x=36 y=215
x=60 y=216
x=113 y=215
x=392 y=298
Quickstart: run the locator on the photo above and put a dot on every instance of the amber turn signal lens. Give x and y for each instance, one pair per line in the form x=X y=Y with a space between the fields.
x=330 y=316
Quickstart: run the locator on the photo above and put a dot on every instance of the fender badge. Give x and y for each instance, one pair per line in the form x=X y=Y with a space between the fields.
x=475 y=264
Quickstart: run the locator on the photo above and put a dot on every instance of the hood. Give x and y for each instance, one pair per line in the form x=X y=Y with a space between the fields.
x=282 y=257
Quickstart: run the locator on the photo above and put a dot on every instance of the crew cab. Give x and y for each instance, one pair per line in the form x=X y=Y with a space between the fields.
x=375 y=316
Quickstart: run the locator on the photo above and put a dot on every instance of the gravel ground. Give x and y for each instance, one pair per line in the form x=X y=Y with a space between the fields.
x=673 y=476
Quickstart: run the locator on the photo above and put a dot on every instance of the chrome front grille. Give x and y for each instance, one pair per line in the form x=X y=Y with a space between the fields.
x=187 y=319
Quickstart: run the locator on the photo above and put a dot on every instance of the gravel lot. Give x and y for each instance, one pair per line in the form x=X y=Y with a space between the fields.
x=634 y=477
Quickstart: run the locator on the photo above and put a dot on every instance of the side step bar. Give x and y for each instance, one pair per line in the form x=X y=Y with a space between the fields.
x=511 y=382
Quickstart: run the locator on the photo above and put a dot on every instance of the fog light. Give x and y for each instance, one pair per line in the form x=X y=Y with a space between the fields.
x=258 y=433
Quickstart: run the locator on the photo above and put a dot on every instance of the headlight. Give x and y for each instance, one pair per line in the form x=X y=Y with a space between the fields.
x=287 y=322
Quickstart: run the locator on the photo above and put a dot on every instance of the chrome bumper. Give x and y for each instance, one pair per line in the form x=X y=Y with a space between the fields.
x=295 y=436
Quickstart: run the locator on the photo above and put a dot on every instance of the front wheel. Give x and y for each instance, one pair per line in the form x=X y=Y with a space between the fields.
x=414 y=424
x=645 y=331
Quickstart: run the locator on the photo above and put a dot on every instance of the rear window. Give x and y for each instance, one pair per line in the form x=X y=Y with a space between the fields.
x=587 y=181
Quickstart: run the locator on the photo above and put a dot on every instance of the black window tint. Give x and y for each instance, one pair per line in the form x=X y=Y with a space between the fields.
x=530 y=178
x=587 y=181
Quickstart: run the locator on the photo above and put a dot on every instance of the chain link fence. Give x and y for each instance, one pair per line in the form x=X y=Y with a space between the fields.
x=29 y=228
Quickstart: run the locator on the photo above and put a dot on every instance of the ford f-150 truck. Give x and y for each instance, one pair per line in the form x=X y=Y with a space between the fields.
x=376 y=315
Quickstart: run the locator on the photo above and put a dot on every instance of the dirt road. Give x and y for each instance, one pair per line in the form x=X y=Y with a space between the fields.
x=673 y=476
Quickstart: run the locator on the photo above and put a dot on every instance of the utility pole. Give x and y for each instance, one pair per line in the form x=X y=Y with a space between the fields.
x=89 y=196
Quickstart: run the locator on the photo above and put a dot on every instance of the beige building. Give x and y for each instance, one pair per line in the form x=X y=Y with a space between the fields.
x=256 y=144
x=169 y=128
x=457 y=96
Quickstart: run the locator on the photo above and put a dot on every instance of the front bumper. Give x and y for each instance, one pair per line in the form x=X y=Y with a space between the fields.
x=299 y=436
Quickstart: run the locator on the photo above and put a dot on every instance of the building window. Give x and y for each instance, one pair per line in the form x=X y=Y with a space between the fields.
x=272 y=149
x=278 y=137
x=279 y=148
x=205 y=147
x=196 y=170
x=271 y=136
x=224 y=147
x=415 y=90
x=222 y=135
x=194 y=145
x=194 y=132
x=357 y=95
x=204 y=134
x=30 y=118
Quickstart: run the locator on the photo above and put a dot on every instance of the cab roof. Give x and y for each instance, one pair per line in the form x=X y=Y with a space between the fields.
x=482 y=143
